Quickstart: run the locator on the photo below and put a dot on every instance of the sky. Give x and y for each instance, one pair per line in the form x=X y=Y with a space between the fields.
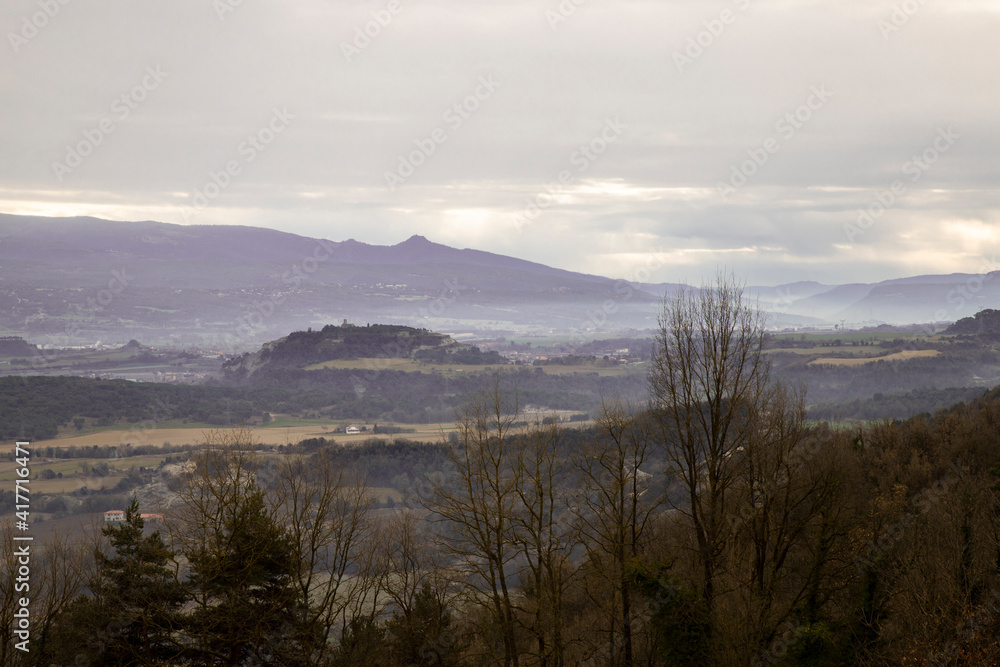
x=784 y=140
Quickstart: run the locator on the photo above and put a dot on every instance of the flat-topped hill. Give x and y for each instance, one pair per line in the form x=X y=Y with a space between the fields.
x=347 y=341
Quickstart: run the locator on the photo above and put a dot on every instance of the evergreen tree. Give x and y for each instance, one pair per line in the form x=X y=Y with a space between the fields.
x=362 y=645
x=132 y=612
x=241 y=580
x=424 y=635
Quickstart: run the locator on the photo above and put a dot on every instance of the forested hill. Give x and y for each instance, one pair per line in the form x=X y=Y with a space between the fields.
x=347 y=341
x=15 y=346
x=984 y=323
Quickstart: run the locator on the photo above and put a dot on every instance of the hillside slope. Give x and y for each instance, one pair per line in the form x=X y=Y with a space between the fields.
x=300 y=349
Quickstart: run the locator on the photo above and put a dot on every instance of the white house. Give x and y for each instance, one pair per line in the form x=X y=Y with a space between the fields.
x=351 y=430
x=114 y=515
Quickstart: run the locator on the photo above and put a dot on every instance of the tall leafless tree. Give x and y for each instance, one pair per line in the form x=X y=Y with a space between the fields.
x=614 y=513
x=544 y=534
x=476 y=504
x=339 y=567
x=709 y=381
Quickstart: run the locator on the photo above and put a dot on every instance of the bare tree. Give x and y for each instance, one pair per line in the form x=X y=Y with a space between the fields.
x=544 y=534
x=614 y=513
x=58 y=575
x=420 y=630
x=787 y=549
x=338 y=571
x=709 y=381
x=475 y=506
x=10 y=592
x=412 y=558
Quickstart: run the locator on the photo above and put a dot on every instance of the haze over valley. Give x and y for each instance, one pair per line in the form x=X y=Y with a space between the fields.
x=71 y=282
x=499 y=334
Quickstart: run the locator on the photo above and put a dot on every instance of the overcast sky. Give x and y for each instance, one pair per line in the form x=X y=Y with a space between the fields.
x=602 y=137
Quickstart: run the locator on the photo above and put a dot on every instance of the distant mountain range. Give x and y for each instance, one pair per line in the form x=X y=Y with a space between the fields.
x=913 y=300
x=70 y=281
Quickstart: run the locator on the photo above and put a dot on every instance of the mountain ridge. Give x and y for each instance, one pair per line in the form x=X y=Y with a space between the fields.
x=243 y=285
x=150 y=240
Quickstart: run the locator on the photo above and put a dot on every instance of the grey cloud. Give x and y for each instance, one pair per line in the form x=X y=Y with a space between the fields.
x=654 y=187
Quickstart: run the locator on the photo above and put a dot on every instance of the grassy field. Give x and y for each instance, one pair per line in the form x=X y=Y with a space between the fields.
x=71 y=484
x=858 y=361
x=384 y=493
x=407 y=365
x=72 y=471
x=411 y=366
x=282 y=431
x=603 y=371
x=851 y=336
x=854 y=350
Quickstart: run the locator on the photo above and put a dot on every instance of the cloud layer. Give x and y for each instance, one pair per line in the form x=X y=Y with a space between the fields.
x=585 y=134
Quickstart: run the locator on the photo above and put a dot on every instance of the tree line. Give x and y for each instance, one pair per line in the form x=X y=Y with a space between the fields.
x=36 y=407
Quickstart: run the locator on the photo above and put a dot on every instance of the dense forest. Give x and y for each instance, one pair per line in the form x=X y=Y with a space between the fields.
x=35 y=407
x=962 y=366
x=897 y=405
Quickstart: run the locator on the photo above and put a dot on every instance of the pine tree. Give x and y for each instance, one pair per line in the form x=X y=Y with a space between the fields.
x=132 y=612
x=241 y=580
x=423 y=635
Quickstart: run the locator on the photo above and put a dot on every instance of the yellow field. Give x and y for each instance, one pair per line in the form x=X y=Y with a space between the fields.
x=853 y=350
x=271 y=435
x=858 y=361
x=70 y=484
x=603 y=371
x=408 y=365
x=383 y=493
x=411 y=366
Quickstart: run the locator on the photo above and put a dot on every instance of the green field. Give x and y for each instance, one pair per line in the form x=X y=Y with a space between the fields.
x=70 y=467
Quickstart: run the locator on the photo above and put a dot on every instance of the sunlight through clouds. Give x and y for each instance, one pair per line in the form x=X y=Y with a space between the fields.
x=537 y=142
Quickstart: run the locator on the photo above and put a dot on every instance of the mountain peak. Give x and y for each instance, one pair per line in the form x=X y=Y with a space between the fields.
x=415 y=239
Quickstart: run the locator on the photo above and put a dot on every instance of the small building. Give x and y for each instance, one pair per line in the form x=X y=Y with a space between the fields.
x=352 y=430
x=114 y=515
x=154 y=518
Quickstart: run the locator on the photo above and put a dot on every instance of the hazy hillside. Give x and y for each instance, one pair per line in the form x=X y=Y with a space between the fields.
x=89 y=241
x=71 y=281
x=67 y=281
x=911 y=300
